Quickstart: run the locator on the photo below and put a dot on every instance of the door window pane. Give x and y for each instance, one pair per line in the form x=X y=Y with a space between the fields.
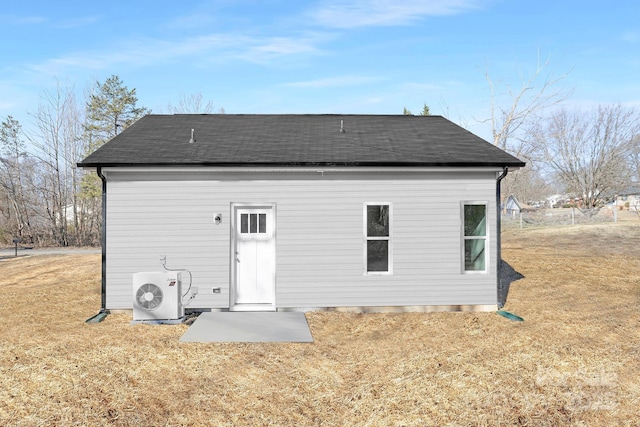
x=378 y=255
x=244 y=223
x=262 y=223
x=253 y=223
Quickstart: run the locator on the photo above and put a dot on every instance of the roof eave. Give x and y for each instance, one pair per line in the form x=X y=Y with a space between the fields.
x=510 y=165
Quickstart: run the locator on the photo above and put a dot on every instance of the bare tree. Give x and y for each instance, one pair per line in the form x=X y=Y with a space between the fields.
x=446 y=112
x=44 y=197
x=13 y=182
x=634 y=159
x=529 y=183
x=514 y=112
x=589 y=150
x=58 y=146
x=537 y=93
x=194 y=104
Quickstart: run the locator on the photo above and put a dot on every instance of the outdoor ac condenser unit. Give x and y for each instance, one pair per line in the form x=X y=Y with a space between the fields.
x=157 y=296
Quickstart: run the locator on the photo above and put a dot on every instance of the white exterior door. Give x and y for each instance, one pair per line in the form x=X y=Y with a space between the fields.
x=254 y=258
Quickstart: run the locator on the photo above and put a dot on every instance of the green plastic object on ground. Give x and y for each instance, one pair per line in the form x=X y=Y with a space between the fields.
x=510 y=316
x=97 y=318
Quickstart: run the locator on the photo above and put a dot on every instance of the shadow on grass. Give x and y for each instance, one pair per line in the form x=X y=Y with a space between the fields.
x=507 y=276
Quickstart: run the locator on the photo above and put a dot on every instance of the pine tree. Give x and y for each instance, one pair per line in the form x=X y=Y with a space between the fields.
x=111 y=108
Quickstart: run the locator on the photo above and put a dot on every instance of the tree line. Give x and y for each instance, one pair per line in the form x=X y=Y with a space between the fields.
x=592 y=153
x=46 y=199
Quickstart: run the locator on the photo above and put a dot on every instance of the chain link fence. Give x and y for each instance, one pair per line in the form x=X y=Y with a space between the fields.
x=567 y=217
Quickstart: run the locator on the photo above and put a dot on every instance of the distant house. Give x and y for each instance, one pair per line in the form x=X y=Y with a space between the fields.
x=295 y=212
x=629 y=198
x=513 y=207
x=558 y=200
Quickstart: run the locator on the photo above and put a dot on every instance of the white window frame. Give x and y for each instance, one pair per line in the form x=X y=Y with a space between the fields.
x=366 y=238
x=464 y=238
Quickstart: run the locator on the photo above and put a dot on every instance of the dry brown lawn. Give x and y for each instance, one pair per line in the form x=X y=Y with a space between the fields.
x=575 y=360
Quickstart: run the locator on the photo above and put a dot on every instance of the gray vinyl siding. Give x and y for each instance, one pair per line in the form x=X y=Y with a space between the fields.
x=319 y=235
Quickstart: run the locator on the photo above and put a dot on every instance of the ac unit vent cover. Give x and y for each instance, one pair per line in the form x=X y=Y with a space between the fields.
x=157 y=295
x=149 y=296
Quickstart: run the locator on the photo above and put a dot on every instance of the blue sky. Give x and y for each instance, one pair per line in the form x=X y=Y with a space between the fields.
x=325 y=56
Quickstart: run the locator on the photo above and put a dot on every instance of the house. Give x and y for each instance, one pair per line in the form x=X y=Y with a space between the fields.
x=296 y=212
x=512 y=207
x=558 y=200
x=629 y=199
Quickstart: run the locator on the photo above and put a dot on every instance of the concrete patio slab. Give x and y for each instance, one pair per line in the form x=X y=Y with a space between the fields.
x=249 y=327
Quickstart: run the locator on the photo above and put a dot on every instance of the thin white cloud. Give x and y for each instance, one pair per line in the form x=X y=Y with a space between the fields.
x=284 y=46
x=264 y=51
x=142 y=52
x=339 y=81
x=77 y=22
x=362 y=13
x=192 y=21
x=201 y=49
x=631 y=37
x=13 y=20
x=422 y=87
x=6 y=105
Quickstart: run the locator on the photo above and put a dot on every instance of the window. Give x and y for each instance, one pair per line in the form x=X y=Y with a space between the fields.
x=475 y=236
x=253 y=223
x=377 y=238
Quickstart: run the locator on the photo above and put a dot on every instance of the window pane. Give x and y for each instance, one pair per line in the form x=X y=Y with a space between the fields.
x=377 y=220
x=378 y=255
x=262 y=223
x=253 y=223
x=244 y=223
x=474 y=220
x=474 y=255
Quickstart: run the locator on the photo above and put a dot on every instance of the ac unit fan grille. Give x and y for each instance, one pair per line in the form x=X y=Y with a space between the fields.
x=149 y=296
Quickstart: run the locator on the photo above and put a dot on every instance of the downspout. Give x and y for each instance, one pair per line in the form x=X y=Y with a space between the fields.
x=103 y=305
x=505 y=170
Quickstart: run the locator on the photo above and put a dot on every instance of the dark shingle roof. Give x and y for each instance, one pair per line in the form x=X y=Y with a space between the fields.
x=288 y=140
